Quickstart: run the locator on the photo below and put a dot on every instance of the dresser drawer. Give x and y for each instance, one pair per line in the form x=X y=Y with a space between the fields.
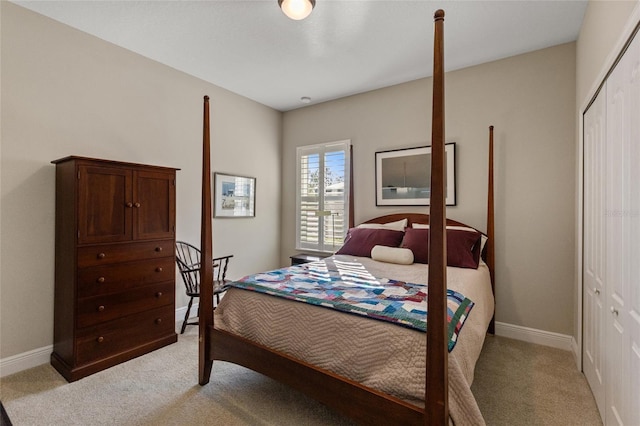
x=95 y=310
x=125 y=252
x=106 y=279
x=124 y=334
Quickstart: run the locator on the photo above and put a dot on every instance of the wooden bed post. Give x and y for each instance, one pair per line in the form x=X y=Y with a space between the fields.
x=437 y=372
x=206 y=247
x=352 y=216
x=491 y=243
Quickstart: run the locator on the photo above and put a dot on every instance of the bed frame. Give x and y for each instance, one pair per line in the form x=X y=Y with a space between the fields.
x=365 y=405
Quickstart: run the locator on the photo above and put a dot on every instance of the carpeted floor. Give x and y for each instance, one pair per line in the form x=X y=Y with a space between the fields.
x=519 y=383
x=516 y=384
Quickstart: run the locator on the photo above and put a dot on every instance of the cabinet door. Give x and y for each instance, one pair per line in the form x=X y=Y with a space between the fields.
x=104 y=204
x=154 y=211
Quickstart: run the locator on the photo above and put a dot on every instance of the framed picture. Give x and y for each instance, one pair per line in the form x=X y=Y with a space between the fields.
x=234 y=196
x=403 y=176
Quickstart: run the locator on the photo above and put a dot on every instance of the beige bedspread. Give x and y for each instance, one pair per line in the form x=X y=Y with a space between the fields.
x=376 y=353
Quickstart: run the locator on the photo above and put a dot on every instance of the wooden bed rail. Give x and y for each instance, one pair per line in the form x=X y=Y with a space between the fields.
x=358 y=402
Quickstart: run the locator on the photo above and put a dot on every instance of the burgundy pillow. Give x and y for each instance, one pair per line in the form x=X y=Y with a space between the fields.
x=417 y=239
x=360 y=241
x=463 y=247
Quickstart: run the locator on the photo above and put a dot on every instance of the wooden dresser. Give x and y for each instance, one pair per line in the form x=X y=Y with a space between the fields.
x=115 y=263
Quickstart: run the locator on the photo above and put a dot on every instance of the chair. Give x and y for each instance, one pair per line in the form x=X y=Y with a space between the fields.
x=188 y=260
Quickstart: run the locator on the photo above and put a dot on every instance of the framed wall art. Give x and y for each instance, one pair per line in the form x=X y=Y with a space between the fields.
x=234 y=196
x=403 y=176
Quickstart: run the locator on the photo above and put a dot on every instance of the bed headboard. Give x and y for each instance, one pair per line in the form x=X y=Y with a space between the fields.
x=424 y=219
x=411 y=218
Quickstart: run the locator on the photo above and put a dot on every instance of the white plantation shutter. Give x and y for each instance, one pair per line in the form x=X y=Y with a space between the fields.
x=322 y=198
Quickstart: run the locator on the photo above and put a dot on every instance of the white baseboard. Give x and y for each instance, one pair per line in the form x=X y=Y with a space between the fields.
x=577 y=355
x=532 y=335
x=181 y=311
x=25 y=360
x=36 y=357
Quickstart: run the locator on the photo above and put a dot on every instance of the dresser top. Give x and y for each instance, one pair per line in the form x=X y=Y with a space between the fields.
x=106 y=162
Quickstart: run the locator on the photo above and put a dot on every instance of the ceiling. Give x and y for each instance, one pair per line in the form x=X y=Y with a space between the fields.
x=344 y=47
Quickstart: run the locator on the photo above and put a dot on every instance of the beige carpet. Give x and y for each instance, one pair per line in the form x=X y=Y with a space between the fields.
x=516 y=384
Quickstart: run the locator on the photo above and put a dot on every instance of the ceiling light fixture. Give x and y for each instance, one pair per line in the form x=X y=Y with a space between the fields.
x=297 y=9
x=305 y=99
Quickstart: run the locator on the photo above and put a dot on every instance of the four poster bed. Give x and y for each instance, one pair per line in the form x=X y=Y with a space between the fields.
x=368 y=365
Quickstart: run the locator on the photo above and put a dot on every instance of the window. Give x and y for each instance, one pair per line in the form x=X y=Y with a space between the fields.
x=322 y=199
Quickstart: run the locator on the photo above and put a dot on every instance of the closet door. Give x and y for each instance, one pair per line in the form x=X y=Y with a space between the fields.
x=593 y=345
x=634 y=231
x=622 y=241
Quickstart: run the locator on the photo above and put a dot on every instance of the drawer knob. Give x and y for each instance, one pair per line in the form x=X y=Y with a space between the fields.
x=614 y=311
x=100 y=339
x=158 y=320
x=137 y=205
x=100 y=308
x=159 y=269
x=100 y=280
x=159 y=294
x=129 y=205
x=158 y=249
x=101 y=255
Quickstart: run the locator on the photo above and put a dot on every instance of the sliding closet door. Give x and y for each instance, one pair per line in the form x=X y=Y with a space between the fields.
x=622 y=241
x=634 y=232
x=593 y=346
x=634 y=243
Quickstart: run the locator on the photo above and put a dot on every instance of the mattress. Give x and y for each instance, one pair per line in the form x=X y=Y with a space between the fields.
x=377 y=354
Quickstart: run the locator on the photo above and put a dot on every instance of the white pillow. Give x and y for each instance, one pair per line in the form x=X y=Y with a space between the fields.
x=483 y=239
x=394 y=226
x=399 y=255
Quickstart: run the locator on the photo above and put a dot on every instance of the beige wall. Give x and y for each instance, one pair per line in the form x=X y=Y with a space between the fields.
x=605 y=27
x=68 y=93
x=64 y=92
x=530 y=99
x=602 y=27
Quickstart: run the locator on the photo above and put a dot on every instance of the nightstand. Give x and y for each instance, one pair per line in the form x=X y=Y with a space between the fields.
x=300 y=258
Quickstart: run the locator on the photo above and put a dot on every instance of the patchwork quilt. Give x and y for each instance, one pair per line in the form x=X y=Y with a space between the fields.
x=349 y=287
